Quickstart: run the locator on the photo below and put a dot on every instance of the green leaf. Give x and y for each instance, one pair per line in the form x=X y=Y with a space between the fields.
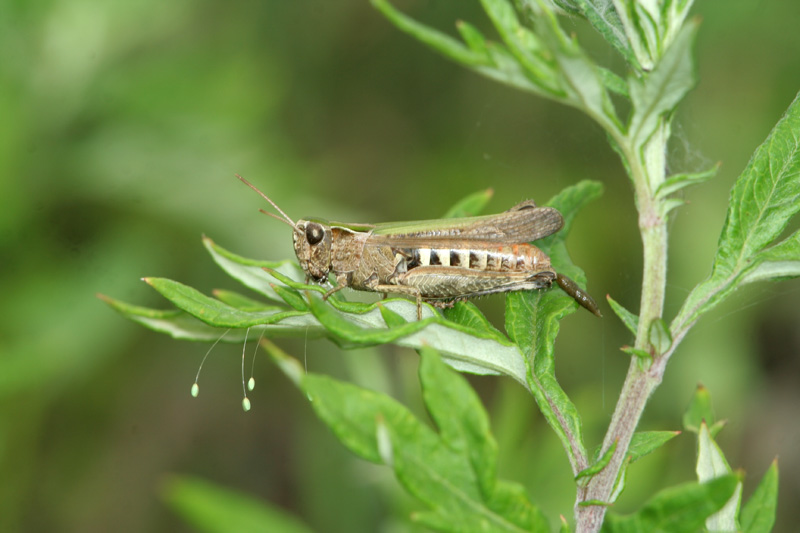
x=180 y=325
x=678 y=509
x=464 y=348
x=291 y=297
x=645 y=442
x=644 y=356
x=758 y=514
x=211 y=311
x=240 y=301
x=778 y=262
x=603 y=16
x=678 y=181
x=459 y=414
x=468 y=314
x=532 y=321
x=659 y=337
x=250 y=272
x=524 y=45
x=630 y=320
x=211 y=508
x=471 y=205
x=711 y=464
x=598 y=465
x=699 y=410
x=763 y=200
x=656 y=93
x=440 y=42
x=578 y=76
x=452 y=472
x=391 y=318
x=474 y=39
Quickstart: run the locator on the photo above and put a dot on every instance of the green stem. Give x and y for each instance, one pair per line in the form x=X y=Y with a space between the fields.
x=647 y=171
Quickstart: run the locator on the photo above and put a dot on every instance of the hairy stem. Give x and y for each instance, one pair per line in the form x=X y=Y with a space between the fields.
x=641 y=380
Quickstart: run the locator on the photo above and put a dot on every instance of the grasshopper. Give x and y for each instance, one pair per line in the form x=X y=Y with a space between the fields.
x=435 y=261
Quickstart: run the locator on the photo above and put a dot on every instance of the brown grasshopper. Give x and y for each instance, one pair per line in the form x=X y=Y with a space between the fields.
x=436 y=261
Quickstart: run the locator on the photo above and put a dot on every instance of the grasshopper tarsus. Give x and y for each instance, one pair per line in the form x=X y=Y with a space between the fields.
x=580 y=296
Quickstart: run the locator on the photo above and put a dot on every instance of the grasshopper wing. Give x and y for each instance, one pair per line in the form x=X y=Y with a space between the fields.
x=522 y=223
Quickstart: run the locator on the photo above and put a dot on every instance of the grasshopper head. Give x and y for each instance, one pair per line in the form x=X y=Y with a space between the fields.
x=312 y=244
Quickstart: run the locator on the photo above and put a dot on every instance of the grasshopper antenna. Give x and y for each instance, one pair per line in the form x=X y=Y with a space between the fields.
x=196 y=386
x=273 y=204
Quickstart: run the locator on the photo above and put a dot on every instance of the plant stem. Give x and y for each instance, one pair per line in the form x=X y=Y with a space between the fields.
x=647 y=171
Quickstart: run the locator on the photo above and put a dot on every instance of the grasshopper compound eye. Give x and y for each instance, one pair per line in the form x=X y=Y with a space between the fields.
x=314 y=233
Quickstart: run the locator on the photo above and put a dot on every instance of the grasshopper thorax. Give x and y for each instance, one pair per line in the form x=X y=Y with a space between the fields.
x=312 y=245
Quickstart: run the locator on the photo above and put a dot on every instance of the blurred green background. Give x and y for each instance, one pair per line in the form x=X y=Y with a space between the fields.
x=122 y=126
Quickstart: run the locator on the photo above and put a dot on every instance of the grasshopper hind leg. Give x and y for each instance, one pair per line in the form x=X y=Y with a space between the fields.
x=580 y=296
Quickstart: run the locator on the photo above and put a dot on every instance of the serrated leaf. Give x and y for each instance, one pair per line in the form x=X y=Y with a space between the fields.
x=678 y=509
x=679 y=181
x=758 y=514
x=711 y=464
x=532 y=321
x=438 y=469
x=658 y=92
x=471 y=205
x=630 y=320
x=699 y=410
x=212 y=508
x=764 y=198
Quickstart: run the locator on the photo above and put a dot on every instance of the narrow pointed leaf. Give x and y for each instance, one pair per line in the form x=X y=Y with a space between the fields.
x=213 y=312
x=630 y=320
x=699 y=410
x=240 y=301
x=679 y=181
x=599 y=465
x=659 y=336
x=758 y=514
x=645 y=442
x=439 y=41
x=711 y=464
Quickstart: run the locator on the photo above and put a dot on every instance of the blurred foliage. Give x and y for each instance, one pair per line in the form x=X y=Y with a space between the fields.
x=123 y=124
